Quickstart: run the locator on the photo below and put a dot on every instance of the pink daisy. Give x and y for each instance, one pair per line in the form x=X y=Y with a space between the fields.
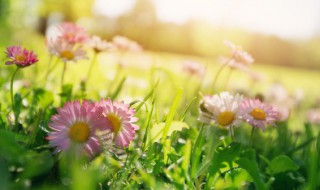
x=69 y=32
x=76 y=126
x=193 y=68
x=67 y=52
x=20 y=57
x=239 y=56
x=313 y=116
x=121 y=119
x=258 y=114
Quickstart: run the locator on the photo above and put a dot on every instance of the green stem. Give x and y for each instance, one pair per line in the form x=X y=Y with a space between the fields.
x=251 y=136
x=63 y=72
x=94 y=57
x=232 y=133
x=227 y=79
x=218 y=74
x=216 y=77
x=11 y=93
x=48 y=70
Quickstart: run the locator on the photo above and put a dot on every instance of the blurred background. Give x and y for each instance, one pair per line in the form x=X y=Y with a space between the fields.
x=285 y=33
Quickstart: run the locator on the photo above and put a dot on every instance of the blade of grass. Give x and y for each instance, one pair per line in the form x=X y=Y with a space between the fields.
x=147 y=127
x=171 y=114
x=118 y=89
x=147 y=97
x=187 y=109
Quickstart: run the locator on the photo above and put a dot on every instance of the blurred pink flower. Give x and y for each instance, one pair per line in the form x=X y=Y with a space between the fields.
x=283 y=111
x=99 y=45
x=66 y=51
x=239 y=59
x=258 y=114
x=121 y=119
x=20 y=57
x=125 y=44
x=70 y=33
x=193 y=68
x=222 y=109
x=313 y=116
x=240 y=56
x=76 y=126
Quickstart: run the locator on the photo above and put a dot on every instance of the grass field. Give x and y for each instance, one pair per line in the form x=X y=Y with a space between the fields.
x=172 y=149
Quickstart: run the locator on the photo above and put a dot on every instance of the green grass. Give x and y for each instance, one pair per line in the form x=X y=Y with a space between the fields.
x=172 y=149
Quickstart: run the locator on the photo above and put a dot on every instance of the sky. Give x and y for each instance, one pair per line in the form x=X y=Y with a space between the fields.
x=293 y=19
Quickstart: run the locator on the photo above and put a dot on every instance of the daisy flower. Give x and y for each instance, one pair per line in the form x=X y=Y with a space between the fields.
x=239 y=56
x=67 y=52
x=121 y=120
x=20 y=57
x=77 y=125
x=222 y=109
x=193 y=68
x=99 y=45
x=68 y=32
x=125 y=44
x=258 y=114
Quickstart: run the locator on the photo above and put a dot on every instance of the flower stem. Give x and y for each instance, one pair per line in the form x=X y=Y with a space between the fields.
x=93 y=61
x=251 y=136
x=48 y=70
x=227 y=79
x=216 y=77
x=63 y=72
x=11 y=93
x=219 y=72
x=232 y=133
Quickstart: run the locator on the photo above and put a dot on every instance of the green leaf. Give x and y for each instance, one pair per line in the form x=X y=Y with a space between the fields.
x=37 y=164
x=5 y=175
x=17 y=105
x=42 y=97
x=282 y=164
x=9 y=148
x=222 y=154
x=66 y=93
x=227 y=154
x=249 y=163
x=157 y=130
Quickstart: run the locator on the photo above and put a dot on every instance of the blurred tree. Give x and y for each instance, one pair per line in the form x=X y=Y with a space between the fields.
x=142 y=17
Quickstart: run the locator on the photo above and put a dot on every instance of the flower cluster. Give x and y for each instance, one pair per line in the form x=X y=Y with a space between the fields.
x=81 y=125
x=66 y=41
x=227 y=110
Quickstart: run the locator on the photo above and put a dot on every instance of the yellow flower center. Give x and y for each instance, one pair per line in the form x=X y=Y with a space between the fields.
x=258 y=114
x=20 y=57
x=79 y=132
x=115 y=122
x=225 y=118
x=67 y=54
